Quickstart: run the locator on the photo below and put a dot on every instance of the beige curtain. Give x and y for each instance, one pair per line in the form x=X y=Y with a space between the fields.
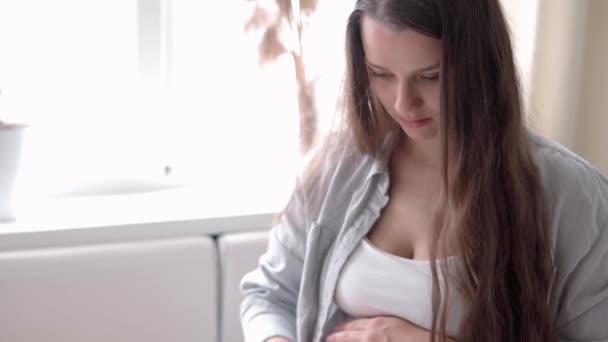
x=568 y=89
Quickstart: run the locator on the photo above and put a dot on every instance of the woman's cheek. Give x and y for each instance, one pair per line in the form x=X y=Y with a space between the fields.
x=383 y=93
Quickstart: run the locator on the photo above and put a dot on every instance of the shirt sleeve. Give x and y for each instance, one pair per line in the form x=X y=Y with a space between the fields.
x=270 y=291
x=583 y=312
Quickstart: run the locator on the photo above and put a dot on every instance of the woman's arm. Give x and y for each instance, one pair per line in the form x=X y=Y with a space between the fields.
x=270 y=291
x=583 y=294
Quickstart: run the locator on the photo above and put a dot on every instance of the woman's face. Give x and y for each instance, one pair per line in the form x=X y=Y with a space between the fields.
x=404 y=68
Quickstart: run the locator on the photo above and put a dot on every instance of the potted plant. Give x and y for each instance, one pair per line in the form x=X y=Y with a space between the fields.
x=278 y=19
x=10 y=152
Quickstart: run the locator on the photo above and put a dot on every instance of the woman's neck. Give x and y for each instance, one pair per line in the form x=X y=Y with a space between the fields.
x=424 y=154
x=417 y=165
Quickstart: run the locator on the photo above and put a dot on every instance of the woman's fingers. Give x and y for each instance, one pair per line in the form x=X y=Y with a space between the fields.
x=355 y=336
x=357 y=324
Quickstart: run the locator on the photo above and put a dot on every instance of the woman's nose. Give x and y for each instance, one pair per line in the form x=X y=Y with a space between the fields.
x=407 y=99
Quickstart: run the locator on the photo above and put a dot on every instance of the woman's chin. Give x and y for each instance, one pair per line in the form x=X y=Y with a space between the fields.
x=420 y=134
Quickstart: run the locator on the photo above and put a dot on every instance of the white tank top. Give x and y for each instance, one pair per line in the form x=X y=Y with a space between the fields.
x=376 y=283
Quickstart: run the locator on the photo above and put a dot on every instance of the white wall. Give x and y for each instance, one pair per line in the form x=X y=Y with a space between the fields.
x=522 y=18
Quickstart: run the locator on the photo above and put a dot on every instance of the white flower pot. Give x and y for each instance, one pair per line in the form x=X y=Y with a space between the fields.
x=10 y=155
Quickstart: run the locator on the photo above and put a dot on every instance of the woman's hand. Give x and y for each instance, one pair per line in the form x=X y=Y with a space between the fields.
x=277 y=339
x=378 y=329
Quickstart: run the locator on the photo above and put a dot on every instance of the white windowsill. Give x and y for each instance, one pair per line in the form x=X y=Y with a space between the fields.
x=186 y=209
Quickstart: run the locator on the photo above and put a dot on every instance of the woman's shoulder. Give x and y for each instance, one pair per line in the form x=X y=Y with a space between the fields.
x=559 y=164
x=336 y=158
x=575 y=191
x=335 y=170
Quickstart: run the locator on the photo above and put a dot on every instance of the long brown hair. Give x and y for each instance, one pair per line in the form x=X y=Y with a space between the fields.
x=491 y=205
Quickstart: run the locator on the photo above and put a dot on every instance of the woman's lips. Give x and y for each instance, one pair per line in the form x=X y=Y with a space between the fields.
x=415 y=123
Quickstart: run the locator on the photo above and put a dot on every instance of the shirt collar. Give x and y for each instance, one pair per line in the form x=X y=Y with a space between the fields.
x=380 y=162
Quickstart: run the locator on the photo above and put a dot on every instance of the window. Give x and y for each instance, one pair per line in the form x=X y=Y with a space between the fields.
x=69 y=71
x=127 y=94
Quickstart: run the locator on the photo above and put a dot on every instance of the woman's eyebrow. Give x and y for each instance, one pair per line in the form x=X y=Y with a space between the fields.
x=374 y=65
x=430 y=67
x=426 y=68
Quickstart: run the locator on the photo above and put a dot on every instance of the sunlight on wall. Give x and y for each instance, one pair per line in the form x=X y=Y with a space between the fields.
x=522 y=18
x=210 y=119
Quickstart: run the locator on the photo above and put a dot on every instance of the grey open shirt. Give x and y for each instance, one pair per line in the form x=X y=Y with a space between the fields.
x=290 y=294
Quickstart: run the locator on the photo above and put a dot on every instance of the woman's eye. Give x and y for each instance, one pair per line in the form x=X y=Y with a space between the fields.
x=378 y=74
x=429 y=77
